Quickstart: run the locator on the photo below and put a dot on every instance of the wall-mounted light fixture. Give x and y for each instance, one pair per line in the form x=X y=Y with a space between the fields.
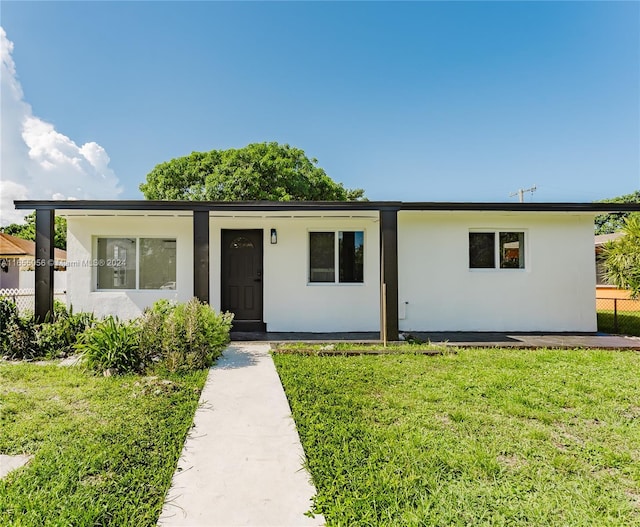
x=274 y=236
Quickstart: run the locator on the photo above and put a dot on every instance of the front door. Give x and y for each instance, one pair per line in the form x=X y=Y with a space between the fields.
x=242 y=278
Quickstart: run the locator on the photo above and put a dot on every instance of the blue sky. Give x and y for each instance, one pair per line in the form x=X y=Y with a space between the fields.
x=456 y=101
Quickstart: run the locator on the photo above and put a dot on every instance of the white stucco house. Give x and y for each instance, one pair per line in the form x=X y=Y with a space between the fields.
x=334 y=267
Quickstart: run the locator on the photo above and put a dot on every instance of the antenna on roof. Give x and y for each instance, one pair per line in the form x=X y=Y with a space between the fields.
x=520 y=193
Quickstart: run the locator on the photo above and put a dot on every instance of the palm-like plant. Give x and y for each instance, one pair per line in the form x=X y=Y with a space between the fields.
x=622 y=258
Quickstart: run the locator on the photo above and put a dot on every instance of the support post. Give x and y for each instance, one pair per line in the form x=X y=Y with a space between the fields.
x=44 y=264
x=389 y=273
x=201 y=255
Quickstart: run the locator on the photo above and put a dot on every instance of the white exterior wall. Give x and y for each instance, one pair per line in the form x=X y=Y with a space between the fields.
x=81 y=276
x=553 y=293
x=290 y=302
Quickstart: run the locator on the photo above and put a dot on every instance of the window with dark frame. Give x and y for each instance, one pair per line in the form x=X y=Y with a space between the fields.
x=482 y=251
x=351 y=252
x=350 y=257
x=508 y=253
x=322 y=257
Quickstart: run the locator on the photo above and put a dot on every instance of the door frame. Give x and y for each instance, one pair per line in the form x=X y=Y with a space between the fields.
x=242 y=325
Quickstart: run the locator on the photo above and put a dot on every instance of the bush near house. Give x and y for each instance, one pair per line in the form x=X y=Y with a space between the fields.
x=183 y=337
x=17 y=333
x=57 y=338
x=22 y=339
x=175 y=337
x=111 y=347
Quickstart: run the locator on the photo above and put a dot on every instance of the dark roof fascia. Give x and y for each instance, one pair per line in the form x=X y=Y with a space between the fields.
x=265 y=206
x=205 y=205
x=529 y=207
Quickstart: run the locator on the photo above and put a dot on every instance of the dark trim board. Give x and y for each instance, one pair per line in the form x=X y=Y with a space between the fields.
x=389 y=273
x=266 y=206
x=201 y=255
x=45 y=233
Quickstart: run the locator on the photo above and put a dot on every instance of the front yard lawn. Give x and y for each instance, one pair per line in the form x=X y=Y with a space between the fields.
x=480 y=437
x=105 y=448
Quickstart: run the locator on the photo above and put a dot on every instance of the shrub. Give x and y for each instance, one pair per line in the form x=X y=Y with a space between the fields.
x=183 y=337
x=58 y=337
x=17 y=333
x=152 y=324
x=8 y=315
x=111 y=347
x=21 y=340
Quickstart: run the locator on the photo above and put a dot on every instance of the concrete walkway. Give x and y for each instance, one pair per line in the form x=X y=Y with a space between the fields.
x=242 y=461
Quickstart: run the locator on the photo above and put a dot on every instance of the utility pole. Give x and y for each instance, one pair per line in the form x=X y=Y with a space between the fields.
x=520 y=193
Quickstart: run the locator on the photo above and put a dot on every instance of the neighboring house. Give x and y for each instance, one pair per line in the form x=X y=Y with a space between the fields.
x=17 y=262
x=333 y=267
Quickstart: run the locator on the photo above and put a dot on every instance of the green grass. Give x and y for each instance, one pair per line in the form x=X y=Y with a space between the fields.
x=481 y=437
x=104 y=449
x=359 y=348
x=628 y=322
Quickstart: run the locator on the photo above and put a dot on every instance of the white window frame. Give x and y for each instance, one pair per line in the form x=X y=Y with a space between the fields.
x=496 y=248
x=336 y=258
x=94 y=251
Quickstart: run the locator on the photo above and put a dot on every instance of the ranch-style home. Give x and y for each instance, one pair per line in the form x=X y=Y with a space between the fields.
x=332 y=266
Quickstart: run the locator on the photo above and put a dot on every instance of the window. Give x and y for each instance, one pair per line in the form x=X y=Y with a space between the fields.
x=348 y=246
x=157 y=263
x=512 y=250
x=322 y=257
x=116 y=263
x=508 y=252
x=482 y=253
x=132 y=263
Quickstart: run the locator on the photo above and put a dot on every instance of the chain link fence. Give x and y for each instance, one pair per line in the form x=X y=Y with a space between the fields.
x=24 y=299
x=618 y=315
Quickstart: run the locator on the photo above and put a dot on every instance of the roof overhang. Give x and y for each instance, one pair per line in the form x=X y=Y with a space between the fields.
x=177 y=207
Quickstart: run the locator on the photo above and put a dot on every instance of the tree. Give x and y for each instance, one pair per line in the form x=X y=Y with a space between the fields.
x=613 y=222
x=27 y=230
x=259 y=171
x=622 y=258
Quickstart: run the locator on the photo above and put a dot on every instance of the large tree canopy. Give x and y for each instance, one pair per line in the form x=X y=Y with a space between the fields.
x=27 y=230
x=609 y=223
x=259 y=171
x=622 y=258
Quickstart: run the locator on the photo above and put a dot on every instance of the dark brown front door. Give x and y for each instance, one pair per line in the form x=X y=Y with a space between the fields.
x=242 y=278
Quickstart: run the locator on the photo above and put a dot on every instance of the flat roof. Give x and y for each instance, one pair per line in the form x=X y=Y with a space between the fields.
x=322 y=205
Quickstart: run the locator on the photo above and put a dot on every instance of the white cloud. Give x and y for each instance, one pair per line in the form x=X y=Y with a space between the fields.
x=37 y=161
